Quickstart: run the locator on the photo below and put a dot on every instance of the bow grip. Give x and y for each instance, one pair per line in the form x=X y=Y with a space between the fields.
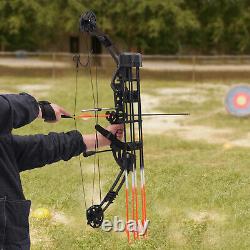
x=107 y=134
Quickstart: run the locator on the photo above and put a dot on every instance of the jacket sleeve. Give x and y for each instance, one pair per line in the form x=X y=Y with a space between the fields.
x=35 y=151
x=16 y=111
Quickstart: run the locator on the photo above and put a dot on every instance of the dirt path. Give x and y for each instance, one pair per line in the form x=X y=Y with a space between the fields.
x=168 y=66
x=147 y=65
x=32 y=63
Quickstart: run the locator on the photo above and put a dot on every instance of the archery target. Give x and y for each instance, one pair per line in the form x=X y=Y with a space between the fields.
x=237 y=101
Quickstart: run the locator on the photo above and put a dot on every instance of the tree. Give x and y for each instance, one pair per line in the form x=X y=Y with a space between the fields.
x=156 y=27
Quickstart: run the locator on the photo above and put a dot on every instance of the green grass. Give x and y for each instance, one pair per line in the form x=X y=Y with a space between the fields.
x=197 y=193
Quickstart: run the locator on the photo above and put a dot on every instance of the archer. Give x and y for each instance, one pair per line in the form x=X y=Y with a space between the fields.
x=20 y=153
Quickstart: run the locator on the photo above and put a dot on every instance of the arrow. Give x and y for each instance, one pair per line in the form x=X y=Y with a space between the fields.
x=88 y=115
x=164 y=114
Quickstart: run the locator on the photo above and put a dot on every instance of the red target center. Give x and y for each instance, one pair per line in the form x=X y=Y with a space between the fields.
x=241 y=100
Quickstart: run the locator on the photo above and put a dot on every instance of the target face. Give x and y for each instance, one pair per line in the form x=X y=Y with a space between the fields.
x=237 y=101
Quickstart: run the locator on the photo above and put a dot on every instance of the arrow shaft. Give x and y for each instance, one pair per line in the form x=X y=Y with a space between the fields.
x=96 y=109
x=164 y=114
x=82 y=116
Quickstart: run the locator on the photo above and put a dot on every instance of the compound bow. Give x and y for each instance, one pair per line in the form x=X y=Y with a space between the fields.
x=128 y=153
x=127 y=111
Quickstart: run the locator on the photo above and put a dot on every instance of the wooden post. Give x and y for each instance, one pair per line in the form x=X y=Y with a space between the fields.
x=193 y=70
x=53 y=66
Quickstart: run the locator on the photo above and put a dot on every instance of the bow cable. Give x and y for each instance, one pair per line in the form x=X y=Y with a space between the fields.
x=79 y=64
x=76 y=59
x=95 y=98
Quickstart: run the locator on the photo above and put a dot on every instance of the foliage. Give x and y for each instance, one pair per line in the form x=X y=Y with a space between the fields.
x=168 y=27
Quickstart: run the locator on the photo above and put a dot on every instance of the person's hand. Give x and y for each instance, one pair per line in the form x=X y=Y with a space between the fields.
x=59 y=111
x=51 y=112
x=90 y=140
x=115 y=129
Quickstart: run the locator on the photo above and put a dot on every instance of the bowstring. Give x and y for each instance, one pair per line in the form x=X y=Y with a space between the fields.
x=75 y=125
x=95 y=98
x=98 y=159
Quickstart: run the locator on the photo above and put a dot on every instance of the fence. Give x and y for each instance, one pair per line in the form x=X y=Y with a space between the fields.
x=194 y=68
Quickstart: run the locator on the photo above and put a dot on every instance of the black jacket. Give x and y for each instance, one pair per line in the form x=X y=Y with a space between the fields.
x=20 y=153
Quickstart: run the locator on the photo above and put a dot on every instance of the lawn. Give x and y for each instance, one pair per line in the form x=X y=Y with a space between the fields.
x=197 y=189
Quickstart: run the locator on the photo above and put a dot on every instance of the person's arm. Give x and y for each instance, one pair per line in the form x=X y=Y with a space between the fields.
x=35 y=151
x=16 y=111
x=19 y=110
